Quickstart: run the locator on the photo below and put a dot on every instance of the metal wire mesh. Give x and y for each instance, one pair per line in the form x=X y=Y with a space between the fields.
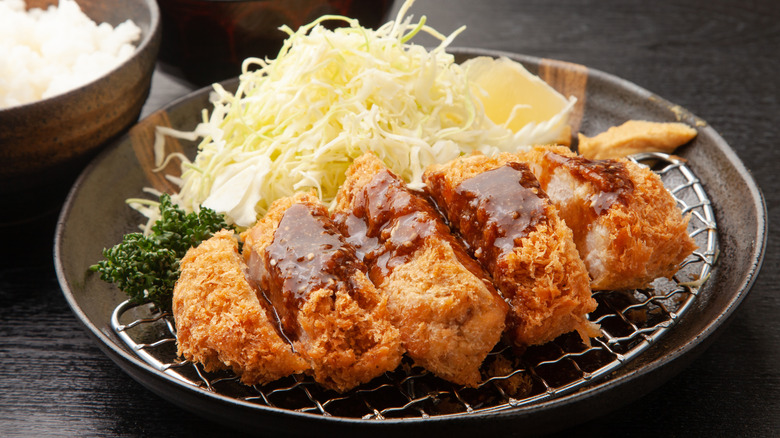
x=630 y=322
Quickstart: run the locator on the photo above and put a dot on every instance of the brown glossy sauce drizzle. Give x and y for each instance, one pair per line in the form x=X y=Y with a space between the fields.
x=495 y=209
x=307 y=253
x=256 y=275
x=610 y=178
x=388 y=222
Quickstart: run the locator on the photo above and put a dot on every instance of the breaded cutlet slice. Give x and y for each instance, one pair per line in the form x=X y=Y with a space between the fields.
x=447 y=310
x=514 y=231
x=327 y=306
x=627 y=226
x=221 y=321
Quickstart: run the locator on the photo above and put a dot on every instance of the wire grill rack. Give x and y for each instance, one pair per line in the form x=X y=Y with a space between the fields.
x=630 y=322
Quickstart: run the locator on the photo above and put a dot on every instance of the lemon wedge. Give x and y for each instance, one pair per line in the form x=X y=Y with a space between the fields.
x=520 y=101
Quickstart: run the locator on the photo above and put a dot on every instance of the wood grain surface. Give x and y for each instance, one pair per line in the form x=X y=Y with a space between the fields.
x=569 y=79
x=719 y=59
x=142 y=136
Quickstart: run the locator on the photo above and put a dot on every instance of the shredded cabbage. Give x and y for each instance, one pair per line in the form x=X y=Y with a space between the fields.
x=297 y=122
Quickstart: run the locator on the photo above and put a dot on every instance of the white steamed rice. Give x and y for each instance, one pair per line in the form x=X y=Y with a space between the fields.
x=44 y=53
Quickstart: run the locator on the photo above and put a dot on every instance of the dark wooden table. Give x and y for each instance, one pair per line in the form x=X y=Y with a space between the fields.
x=719 y=59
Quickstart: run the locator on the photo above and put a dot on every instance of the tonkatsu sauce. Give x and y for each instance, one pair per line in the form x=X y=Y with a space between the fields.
x=307 y=253
x=495 y=209
x=610 y=177
x=389 y=222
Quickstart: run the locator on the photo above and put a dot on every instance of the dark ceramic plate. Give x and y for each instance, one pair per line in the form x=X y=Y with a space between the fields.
x=95 y=216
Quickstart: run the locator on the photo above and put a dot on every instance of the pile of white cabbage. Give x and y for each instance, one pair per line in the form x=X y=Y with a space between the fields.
x=297 y=122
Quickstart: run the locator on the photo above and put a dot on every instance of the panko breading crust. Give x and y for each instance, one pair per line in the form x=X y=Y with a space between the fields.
x=439 y=304
x=543 y=277
x=221 y=322
x=633 y=242
x=344 y=333
x=448 y=313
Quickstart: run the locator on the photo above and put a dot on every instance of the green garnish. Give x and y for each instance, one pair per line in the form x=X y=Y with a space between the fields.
x=146 y=267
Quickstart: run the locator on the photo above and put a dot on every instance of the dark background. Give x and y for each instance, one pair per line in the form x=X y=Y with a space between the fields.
x=718 y=59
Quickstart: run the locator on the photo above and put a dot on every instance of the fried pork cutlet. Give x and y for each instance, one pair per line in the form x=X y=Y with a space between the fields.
x=327 y=306
x=448 y=312
x=627 y=226
x=220 y=320
x=514 y=231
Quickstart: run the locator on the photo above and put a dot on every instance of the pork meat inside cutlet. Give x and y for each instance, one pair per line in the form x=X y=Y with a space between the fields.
x=222 y=321
x=514 y=231
x=447 y=310
x=327 y=306
x=627 y=226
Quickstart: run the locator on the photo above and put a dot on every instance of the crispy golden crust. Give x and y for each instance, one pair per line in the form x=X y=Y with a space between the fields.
x=343 y=332
x=630 y=244
x=448 y=316
x=220 y=321
x=543 y=277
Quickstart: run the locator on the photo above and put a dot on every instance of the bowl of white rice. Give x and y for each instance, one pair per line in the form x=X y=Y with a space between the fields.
x=74 y=74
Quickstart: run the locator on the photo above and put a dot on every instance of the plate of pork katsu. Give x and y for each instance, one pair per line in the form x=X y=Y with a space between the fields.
x=381 y=237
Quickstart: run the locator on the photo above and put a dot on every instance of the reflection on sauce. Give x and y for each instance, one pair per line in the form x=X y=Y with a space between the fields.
x=256 y=275
x=307 y=253
x=610 y=177
x=495 y=209
x=388 y=223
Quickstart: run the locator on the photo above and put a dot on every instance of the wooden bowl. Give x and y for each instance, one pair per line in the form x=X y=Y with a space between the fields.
x=45 y=144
